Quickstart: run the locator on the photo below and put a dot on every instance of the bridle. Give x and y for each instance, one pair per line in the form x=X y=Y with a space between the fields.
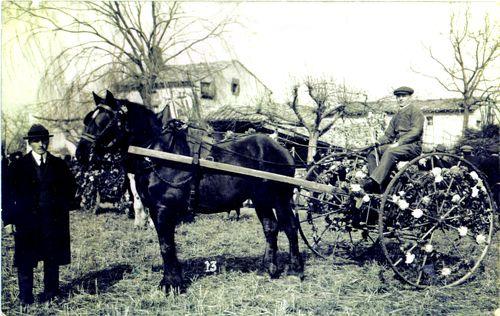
x=117 y=119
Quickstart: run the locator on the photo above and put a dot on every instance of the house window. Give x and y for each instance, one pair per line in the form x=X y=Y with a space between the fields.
x=430 y=120
x=207 y=90
x=235 y=86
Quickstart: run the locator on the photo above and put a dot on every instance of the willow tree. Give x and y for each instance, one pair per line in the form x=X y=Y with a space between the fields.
x=112 y=43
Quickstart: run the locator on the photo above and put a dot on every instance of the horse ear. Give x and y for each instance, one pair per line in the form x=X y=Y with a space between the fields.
x=110 y=99
x=97 y=99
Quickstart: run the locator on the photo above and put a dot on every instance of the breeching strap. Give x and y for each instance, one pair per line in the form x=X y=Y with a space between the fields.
x=195 y=177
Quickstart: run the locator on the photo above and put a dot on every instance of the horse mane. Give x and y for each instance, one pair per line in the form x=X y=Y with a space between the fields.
x=143 y=124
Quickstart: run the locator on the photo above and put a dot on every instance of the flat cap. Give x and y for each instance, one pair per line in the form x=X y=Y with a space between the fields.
x=467 y=149
x=403 y=90
x=37 y=131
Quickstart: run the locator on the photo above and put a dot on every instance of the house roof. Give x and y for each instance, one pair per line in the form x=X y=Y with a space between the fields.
x=186 y=74
x=390 y=107
x=235 y=114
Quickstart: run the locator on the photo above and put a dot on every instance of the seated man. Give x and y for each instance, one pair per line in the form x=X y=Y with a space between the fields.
x=402 y=140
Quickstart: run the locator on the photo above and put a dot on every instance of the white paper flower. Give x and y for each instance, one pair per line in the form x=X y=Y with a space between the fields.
x=395 y=198
x=446 y=271
x=360 y=174
x=474 y=175
x=401 y=164
x=423 y=162
x=365 y=169
x=480 y=239
x=403 y=205
x=401 y=193
x=438 y=179
x=366 y=198
x=417 y=213
x=475 y=191
x=455 y=169
x=355 y=187
x=436 y=171
x=426 y=200
x=455 y=198
x=409 y=258
x=428 y=248
x=462 y=231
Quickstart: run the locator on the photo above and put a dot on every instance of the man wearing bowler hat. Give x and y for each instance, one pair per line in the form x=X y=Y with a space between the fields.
x=402 y=140
x=41 y=188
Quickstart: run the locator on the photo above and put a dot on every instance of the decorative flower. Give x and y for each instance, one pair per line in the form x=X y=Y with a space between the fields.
x=365 y=169
x=438 y=179
x=475 y=191
x=455 y=169
x=395 y=198
x=428 y=248
x=401 y=193
x=355 y=187
x=426 y=200
x=455 y=198
x=436 y=171
x=401 y=164
x=366 y=198
x=422 y=162
x=474 y=175
x=480 y=239
x=446 y=272
x=409 y=257
x=417 y=213
x=360 y=174
x=462 y=231
x=403 y=205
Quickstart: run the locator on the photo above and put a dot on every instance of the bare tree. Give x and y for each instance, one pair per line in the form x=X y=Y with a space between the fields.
x=128 y=43
x=328 y=101
x=14 y=126
x=475 y=53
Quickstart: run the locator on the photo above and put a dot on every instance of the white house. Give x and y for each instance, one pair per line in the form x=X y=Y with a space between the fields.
x=443 y=122
x=212 y=85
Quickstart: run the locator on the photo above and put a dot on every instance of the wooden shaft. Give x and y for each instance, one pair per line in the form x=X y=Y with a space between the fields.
x=313 y=186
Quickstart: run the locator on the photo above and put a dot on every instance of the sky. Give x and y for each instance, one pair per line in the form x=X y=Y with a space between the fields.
x=371 y=46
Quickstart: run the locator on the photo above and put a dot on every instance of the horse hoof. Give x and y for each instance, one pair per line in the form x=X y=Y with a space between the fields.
x=273 y=271
x=171 y=287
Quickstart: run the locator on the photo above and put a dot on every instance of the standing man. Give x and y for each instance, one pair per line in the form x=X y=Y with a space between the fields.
x=402 y=140
x=41 y=188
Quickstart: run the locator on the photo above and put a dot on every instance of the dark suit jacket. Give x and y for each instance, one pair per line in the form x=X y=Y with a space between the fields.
x=42 y=231
x=405 y=127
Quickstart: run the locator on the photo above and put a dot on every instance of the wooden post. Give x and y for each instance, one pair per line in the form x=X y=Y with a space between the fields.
x=313 y=186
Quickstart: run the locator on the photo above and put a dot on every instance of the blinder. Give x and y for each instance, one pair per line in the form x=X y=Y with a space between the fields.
x=117 y=119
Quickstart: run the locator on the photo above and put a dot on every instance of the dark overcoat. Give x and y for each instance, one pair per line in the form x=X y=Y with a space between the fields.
x=41 y=219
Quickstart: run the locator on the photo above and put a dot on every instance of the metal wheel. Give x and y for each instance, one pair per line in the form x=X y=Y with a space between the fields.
x=436 y=220
x=342 y=221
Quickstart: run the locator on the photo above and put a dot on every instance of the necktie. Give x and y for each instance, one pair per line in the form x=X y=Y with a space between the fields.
x=42 y=163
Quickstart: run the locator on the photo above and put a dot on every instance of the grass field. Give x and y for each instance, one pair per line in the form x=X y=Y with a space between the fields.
x=116 y=270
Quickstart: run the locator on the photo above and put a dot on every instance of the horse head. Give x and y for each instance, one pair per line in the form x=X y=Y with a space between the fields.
x=105 y=127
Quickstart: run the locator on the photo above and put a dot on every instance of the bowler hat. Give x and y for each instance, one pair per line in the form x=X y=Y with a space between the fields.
x=467 y=149
x=37 y=131
x=403 y=90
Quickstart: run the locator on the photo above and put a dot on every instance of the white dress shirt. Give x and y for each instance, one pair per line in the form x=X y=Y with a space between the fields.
x=38 y=158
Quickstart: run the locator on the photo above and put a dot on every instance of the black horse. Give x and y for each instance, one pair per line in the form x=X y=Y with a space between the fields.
x=164 y=186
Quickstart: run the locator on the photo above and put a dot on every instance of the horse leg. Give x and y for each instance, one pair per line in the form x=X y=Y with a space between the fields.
x=289 y=224
x=172 y=271
x=140 y=215
x=270 y=226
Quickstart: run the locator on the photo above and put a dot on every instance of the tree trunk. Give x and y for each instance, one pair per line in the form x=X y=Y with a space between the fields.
x=465 y=125
x=313 y=145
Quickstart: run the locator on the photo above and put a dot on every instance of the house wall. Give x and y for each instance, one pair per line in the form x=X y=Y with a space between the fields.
x=446 y=129
x=251 y=89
